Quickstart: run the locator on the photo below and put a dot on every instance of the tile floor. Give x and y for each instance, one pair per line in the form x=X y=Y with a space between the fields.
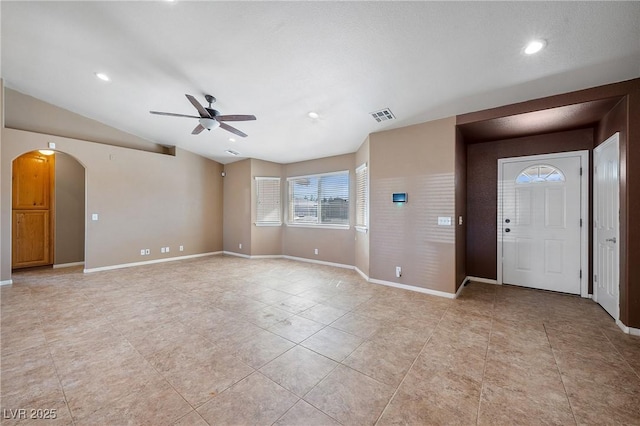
x=223 y=340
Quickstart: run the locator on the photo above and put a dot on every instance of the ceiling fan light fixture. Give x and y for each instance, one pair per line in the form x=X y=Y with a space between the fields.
x=209 y=123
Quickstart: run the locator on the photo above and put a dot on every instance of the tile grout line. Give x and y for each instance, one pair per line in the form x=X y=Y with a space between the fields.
x=637 y=373
x=410 y=367
x=555 y=359
x=486 y=356
x=55 y=368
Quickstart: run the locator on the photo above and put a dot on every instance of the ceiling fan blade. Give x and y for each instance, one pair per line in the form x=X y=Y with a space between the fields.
x=170 y=114
x=235 y=117
x=203 y=112
x=199 y=128
x=232 y=130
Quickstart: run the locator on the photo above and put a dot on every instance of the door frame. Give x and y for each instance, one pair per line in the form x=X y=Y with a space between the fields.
x=613 y=139
x=584 y=211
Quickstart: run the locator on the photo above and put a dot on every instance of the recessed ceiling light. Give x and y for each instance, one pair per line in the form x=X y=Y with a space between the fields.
x=313 y=115
x=102 y=76
x=230 y=152
x=232 y=140
x=534 y=46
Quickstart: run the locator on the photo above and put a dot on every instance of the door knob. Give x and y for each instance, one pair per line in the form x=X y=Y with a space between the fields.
x=611 y=240
x=507 y=220
x=507 y=230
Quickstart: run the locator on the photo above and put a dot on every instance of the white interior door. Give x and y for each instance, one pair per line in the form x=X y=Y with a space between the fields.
x=540 y=229
x=606 y=179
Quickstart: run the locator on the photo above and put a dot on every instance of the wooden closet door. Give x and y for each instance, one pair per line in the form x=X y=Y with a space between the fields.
x=33 y=180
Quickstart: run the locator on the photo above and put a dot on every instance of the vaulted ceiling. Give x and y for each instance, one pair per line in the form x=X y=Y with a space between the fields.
x=282 y=60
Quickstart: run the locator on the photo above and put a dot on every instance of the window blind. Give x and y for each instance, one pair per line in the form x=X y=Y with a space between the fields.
x=268 y=206
x=362 y=196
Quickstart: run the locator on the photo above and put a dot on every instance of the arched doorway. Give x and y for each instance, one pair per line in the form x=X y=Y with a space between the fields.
x=48 y=204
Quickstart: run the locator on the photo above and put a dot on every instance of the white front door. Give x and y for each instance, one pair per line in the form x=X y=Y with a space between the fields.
x=606 y=192
x=540 y=208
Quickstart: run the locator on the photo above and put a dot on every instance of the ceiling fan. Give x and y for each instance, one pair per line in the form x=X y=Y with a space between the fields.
x=210 y=118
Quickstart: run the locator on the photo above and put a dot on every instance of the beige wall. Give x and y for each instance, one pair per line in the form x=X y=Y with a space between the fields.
x=237 y=207
x=144 y=200
x=53 y=120
x=334 y=245
x=419 y=160
x=69 y=210
x=265 y=240
x=361 y=255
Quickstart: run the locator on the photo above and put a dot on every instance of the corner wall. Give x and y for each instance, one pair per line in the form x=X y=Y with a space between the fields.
x=419 y=160
x=237 y=207
x=362 y=238
x=334 y=245
x=143 y=199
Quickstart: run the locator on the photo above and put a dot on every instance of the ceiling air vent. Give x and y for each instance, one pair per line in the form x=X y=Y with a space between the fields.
x=232 y=152
x=383 y=115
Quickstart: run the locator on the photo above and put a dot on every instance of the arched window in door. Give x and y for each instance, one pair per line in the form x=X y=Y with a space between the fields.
x=540 y=173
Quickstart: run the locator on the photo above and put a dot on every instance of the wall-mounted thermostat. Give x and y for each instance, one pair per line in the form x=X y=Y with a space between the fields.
x=399 y=197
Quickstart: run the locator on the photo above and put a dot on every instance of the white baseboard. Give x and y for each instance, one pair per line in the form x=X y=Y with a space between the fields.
x=6 y=282
x=233 y=253
x=68 y=265
x=461 y=287
x=414 y=288
x=319 y=262
x=362 y=274
x=267 y=256
x=149 y=262
x=628 y=330
x=483 y=280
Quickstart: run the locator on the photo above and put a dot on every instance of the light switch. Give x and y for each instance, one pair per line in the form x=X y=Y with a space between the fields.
x=444 y=221
x=94 y=216
x=52 y=145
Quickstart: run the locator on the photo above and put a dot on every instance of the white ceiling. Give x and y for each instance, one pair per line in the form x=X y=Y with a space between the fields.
x=280 y=60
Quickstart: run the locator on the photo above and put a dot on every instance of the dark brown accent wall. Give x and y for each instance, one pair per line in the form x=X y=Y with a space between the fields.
x=482 y=184
x=461 y=209
x=623 y=117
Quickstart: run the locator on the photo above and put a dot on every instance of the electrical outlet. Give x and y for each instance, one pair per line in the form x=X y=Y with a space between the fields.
x=181 y=248
x=161 y=249
x=166 y=249
x=147 y=251
x=459 y=220
x=315 y=251
x=94 y=216
x=141 y=252
x=240 y=246
x=398 y=271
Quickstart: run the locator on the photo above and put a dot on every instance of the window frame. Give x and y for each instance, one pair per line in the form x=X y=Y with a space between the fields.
x=319 y=224
x=362 y=198
x=259 y=222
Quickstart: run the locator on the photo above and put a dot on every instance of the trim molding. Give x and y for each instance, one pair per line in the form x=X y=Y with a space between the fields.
x=414 y=288
x=149 y=262
x=6 y=282
x=233 y=253
x=484 y=280
x=68 y=265
x=628 y=330
x=461 y=287
x=319 y=262
x=362 y=274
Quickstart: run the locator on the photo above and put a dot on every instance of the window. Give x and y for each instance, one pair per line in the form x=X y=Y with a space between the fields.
x=268 y=209
x=319 y=200
x=362 y=197
x=540 y=173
